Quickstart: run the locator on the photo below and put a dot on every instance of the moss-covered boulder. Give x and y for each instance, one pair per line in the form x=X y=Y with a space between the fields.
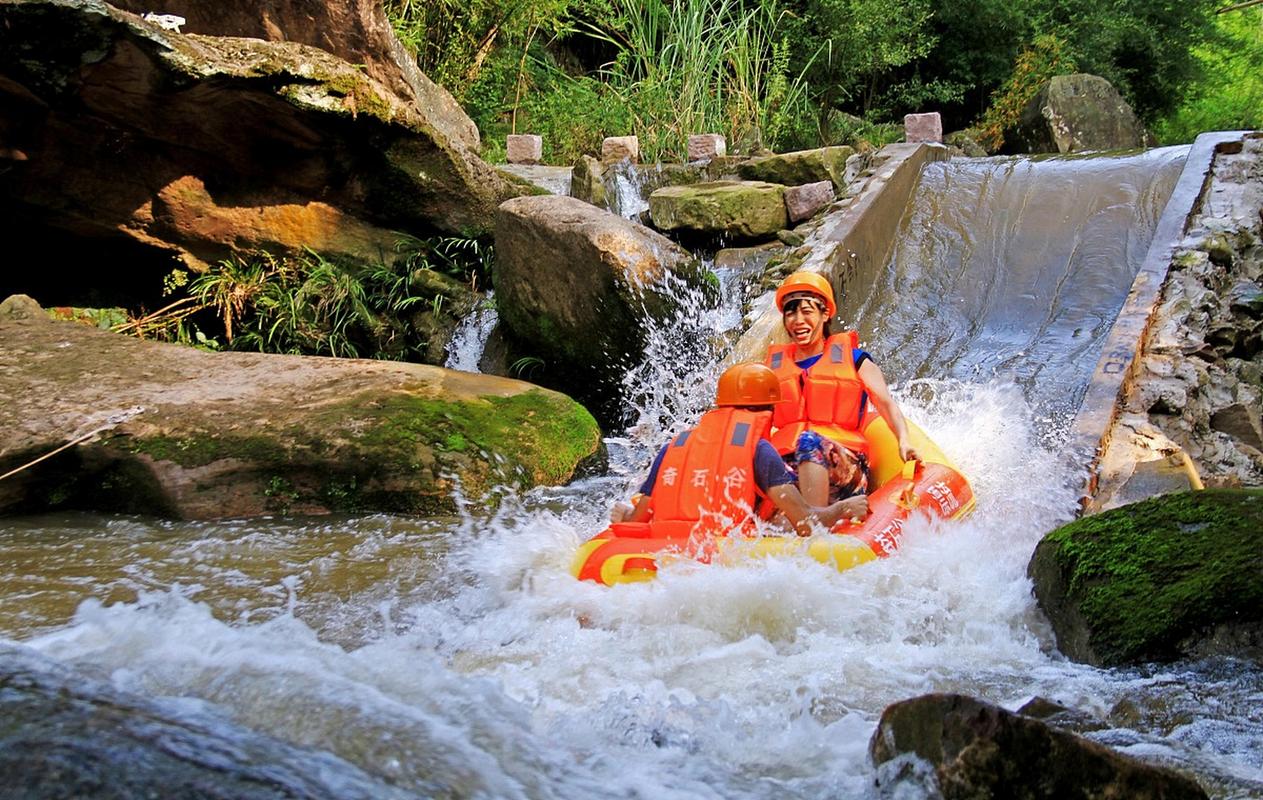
x=1173 y=576
x=178 y=432
x=799 y=167
x=741 y=210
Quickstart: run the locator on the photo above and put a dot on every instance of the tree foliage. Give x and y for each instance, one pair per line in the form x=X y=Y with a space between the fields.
x=858 y=46
x=783 y=73
x=1230 y=96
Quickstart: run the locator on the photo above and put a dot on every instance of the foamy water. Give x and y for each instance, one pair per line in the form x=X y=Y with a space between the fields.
x=462 y=654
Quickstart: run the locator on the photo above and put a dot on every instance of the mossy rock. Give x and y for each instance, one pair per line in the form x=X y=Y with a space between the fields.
x=1175 y=576
x=197 y=435
x=800 y=167
x=739 y=210
x=372 y=451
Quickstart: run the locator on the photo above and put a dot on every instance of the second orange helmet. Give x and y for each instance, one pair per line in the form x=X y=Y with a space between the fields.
x=748 y=385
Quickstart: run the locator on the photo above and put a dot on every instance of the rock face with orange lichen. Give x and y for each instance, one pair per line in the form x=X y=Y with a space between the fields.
x=194 y=148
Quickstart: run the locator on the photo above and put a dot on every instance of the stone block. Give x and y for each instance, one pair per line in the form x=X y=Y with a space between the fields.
x=738 y=210
x=799 y=167
x=617 y=148
x=923 y=127
x=802 y=202
x=705 y=146
x=524 y=148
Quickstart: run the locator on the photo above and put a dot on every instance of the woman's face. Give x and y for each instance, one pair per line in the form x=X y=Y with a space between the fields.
x=804 y=320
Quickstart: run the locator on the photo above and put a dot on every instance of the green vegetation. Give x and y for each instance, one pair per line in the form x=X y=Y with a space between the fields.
x=1146 y=577
x=1230 y=95
x=312 y=306
x=794 y=74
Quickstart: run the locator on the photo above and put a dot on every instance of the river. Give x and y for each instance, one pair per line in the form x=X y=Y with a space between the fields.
x=458 y=658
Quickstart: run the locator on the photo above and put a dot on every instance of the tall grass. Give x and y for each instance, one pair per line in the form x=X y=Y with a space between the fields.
x=700 y=66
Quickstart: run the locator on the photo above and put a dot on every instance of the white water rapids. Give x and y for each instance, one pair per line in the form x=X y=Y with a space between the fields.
x=459 y=658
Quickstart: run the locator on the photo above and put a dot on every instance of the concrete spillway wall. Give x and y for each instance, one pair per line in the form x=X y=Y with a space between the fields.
x=1111 y=455
x=852 y=242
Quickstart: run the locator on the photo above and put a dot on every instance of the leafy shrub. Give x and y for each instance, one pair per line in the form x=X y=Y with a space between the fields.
x=1044 y=59
x=310 y=305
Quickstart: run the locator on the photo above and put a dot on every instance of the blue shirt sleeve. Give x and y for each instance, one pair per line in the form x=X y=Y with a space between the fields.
x=860 y=356
x=646 y=488
x=769 y=468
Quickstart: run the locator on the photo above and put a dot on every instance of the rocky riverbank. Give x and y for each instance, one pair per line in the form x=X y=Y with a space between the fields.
x=1198 y=389
x=187 y=433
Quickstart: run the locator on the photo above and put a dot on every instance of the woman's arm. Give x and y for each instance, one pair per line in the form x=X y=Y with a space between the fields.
x=803 y=517
x=875 y=382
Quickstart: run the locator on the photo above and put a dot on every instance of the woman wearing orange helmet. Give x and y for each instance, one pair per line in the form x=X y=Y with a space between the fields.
x=827 y=382
x=725 y=469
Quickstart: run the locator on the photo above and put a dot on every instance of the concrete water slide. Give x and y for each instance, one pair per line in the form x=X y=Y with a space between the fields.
x=1041 y=271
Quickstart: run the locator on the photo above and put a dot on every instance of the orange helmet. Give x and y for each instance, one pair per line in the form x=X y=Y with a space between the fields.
x=807 y=282
x=748 y=385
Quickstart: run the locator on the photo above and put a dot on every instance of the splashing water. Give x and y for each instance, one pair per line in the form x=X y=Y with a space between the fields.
x=675 y=379
x=459 y=658
x=625 y=183
x=462 y=654
x=469 y=340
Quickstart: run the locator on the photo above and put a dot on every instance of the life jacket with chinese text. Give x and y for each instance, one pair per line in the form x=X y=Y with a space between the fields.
x=828 y=397
x=707 y=473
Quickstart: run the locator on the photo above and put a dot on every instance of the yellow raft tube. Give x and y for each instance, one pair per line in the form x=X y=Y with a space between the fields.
x=628 y=552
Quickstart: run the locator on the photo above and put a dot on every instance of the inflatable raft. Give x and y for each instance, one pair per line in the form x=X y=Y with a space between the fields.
x=627 y=552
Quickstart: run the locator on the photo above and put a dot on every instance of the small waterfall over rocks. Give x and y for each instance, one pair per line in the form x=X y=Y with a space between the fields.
x=626 y=183
x=469 y=340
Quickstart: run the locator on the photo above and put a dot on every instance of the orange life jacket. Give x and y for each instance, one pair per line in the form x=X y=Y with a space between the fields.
x=828 y=398
x=706 y=477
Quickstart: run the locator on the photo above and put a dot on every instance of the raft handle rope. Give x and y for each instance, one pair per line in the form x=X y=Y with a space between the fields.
x=112 y=421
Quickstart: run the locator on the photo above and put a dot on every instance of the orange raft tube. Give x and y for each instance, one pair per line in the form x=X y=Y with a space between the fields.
x=627 y=552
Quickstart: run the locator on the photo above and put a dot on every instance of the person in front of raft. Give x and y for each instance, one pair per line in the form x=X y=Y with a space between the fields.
x=827 y=382
x=726 y=469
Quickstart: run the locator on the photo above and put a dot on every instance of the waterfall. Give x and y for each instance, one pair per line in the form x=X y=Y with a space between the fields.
x=625 y=182
x=465 y=349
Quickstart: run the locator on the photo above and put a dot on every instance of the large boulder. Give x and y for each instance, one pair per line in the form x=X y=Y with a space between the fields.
x=357 y=31
x=978 y=750
x=740 y=210
x=186 y=433
x=1174 y=576
x=801 y=166
x=1073 y=113
x=202 y=147
x=576 y=287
